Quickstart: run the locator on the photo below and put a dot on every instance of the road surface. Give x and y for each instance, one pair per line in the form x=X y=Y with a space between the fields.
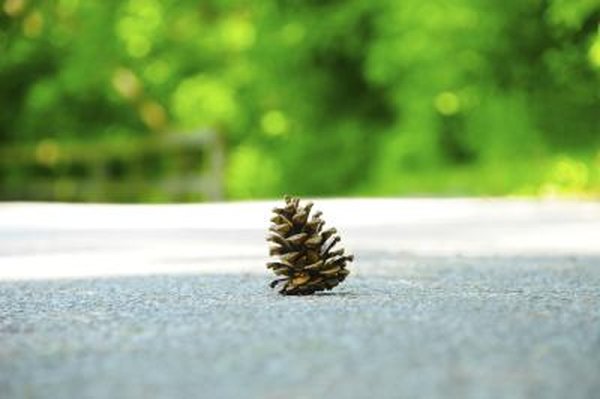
x=447 y=299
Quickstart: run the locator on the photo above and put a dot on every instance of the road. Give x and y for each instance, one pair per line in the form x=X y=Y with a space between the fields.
x=447 y=299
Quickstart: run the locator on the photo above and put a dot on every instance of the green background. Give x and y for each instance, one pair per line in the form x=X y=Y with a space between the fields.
x=150 y=100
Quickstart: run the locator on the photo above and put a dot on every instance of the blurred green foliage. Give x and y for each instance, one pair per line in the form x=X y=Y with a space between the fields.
x=460 y=97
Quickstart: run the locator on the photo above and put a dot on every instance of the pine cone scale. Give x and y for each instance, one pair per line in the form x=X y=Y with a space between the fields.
x=314 y=266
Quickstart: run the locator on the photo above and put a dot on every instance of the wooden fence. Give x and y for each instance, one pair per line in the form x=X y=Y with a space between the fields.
x=180 y=167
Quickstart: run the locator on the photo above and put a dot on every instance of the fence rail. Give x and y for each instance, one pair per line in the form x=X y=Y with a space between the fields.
x=179 y=167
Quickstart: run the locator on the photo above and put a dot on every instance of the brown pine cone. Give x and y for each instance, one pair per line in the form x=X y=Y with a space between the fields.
x=307 y=260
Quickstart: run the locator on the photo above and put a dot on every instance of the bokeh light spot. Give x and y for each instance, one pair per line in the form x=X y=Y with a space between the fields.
x=202 y=101
x=33 y=24
x=13 y=7
x=570 y=172
x=157 y=72
x=153 y=114
x=594 y=53
x=138 y=46
x=238 y=34
x=447 y=103
x=139 y=26
x=47 y=152
x=274 y=123
x=126 y=83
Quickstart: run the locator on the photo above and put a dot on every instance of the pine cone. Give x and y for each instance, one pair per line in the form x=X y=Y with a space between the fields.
x=307 y=260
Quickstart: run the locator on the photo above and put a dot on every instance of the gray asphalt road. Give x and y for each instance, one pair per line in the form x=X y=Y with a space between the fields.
x=104 y=306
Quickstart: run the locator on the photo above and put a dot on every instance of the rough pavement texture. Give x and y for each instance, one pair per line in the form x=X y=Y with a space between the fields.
x=518 y=321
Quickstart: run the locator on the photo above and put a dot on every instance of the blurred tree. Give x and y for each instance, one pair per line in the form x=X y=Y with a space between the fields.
x=321 y=98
